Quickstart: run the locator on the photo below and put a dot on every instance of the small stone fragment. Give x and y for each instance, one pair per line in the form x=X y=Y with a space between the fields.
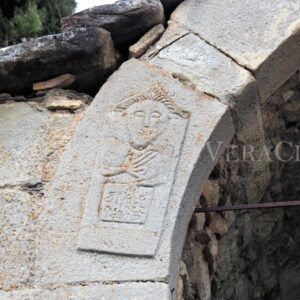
x=62 y=81
x=18 y=98
x=218 y=225
x=199 y=221
x=211 y=192
x=4 y=97
x=288 y=95
x=60 y=102
x=140 y=47
x=291 y=111
x=179 y=289
x=202 y=238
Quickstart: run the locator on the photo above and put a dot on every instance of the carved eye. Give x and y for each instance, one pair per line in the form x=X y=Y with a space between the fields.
x=139 y=114
x=155 y=115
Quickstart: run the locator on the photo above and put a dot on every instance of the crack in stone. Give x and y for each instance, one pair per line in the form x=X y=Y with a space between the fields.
x=54 y=286
x=157 y=51
x=215 y=47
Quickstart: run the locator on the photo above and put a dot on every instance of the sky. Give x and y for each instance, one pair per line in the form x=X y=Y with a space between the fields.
x=84 y=4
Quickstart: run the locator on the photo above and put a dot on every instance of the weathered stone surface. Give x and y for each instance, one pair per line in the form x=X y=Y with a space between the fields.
x=126 y=20
x=291 y=111
x=139 y=48
x=22 y=132
x=263 y=36
x=196 y=63
x=5 y=97
x=218 y=224
x=62 y=81
x=171 y=35
x=121 y=291
x=87 y=53
x=211 y=192
x=198 y=221
x=15 y=238
x=115 y=243
x=197 y=277
x=61 y=130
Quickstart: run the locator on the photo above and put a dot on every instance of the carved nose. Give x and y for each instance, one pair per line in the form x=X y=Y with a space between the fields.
x=147 y=121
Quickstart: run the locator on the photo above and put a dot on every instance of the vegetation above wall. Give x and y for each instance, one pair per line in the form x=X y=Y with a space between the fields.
x=23 y=19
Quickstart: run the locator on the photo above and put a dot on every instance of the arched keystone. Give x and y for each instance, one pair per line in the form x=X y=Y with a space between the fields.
x=120 y=204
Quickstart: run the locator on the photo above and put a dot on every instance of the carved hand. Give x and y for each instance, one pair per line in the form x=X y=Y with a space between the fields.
x=136 y=167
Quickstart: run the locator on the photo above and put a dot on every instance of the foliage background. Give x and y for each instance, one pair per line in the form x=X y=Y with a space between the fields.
x=23 y=19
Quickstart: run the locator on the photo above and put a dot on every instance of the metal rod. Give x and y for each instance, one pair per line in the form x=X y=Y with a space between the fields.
x=248 y=206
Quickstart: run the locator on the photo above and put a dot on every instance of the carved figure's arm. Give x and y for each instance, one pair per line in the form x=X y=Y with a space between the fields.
x=113 y=158
x=112 y=171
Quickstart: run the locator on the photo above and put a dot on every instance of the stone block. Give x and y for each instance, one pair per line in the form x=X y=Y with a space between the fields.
x=120 y=291
x=262 y=36
x=23 y=130
x=15 y=238
x=218 y=225
x=61 y=103
x=291 y=111
x=62 y=81
x=119 y=206
x=141 y=46
x=211 y=192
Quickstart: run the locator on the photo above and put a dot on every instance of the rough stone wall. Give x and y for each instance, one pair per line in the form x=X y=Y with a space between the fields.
x=33 y=139
x=250 y=254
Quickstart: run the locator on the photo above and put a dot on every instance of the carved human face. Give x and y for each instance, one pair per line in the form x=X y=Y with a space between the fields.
x=145 y=122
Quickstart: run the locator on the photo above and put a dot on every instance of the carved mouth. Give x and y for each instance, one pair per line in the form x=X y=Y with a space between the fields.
x=147 y=132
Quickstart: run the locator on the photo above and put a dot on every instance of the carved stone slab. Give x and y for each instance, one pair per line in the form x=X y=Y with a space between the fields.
x=121 y=201
x=134 y=174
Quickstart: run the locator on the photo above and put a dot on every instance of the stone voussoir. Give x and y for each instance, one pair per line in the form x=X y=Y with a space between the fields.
x=261 y=35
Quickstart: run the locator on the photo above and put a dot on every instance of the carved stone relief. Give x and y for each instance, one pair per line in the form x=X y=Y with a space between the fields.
x=133 y=175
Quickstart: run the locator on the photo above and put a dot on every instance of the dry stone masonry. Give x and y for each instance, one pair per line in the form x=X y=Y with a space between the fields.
x=126 y=20
x=87 y=53
x=97 y=196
